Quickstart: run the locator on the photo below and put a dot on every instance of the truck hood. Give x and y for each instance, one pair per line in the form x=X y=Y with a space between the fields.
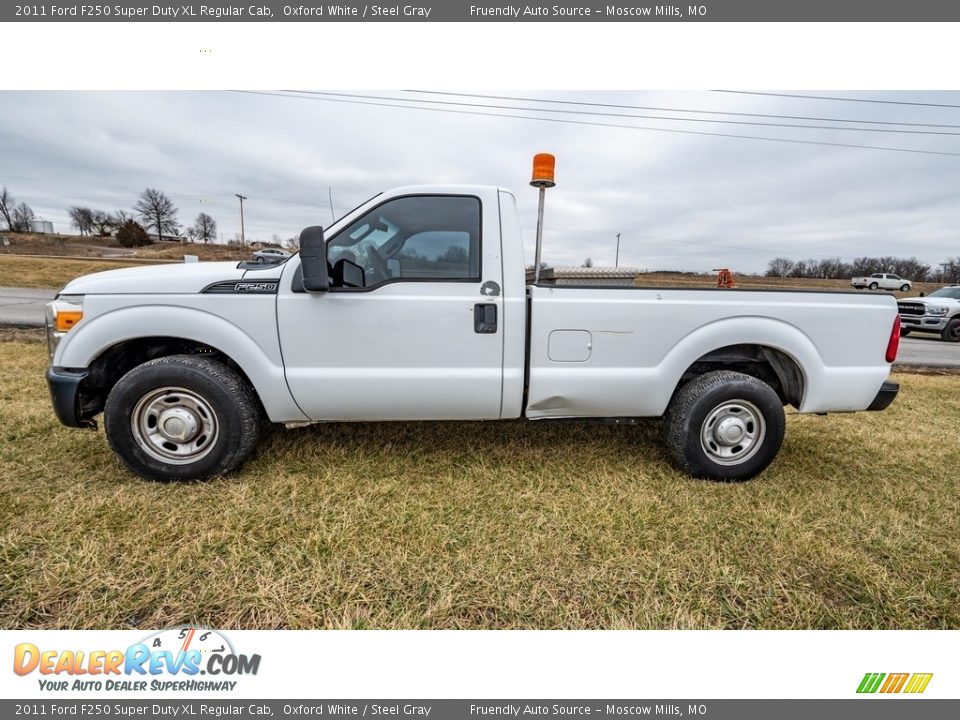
x=930 y=301
x=154 y=279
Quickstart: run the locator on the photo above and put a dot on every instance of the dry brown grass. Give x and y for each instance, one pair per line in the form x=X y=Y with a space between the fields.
x=484 y=525
x=18 y=271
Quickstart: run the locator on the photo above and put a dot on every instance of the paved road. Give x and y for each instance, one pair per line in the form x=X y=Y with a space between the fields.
x=929 y=351
x=23 y=306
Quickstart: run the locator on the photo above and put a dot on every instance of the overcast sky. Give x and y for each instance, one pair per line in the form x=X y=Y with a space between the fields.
x=680 y=201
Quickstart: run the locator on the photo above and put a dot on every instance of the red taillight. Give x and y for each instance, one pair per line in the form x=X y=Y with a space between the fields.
x=894 y=343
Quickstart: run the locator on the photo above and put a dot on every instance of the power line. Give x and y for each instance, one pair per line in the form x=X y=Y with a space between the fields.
x=839 y=99
x=684 y=110
x=608 y=125
x=625 y=115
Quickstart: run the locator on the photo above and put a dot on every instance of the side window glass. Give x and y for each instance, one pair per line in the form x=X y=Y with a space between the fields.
x=436 y=254
x=417 y=238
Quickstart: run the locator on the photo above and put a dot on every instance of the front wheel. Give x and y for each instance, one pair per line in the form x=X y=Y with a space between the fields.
x=904 y=288
x=182 y=417
x=951 y=333
x=724 y=425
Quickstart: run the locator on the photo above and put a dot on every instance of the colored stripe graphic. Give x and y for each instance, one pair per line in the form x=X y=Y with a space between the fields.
x=870 y=682
x=894 y=683
x=918 y=683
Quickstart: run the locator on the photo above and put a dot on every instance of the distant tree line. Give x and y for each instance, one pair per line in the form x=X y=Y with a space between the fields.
x=834 y=268
x=154 y=211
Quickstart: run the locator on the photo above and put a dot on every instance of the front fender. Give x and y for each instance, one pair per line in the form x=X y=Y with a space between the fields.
x=92 y=336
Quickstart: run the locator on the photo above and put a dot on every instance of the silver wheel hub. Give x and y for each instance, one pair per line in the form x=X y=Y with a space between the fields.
x=733 y=432
x=178 y=424
x=174 y=425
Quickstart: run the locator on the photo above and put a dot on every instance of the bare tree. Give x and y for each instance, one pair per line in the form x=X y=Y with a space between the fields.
x=587 y=263
x=292 y=243
x=120 y=218
x=158 y=212
x=779 y=267
x=950 y=270
x=22 y=216
x=81 y=218
x=6 y=207
x=205 y=228
x=102 y=221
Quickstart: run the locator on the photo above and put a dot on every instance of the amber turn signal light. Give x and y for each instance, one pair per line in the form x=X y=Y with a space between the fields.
x=66 y=319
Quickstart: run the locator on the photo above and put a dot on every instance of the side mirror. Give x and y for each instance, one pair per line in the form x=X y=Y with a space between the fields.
x=313 y=259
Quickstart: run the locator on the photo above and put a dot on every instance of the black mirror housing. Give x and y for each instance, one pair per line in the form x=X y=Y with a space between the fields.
x=313 y=259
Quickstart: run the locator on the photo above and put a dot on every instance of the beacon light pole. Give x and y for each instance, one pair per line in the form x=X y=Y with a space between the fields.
x=544 y=165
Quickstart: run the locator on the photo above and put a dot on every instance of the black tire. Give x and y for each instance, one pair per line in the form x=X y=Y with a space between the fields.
x=188 y=388
x=874 y=286
x=704 y=399
x=951 y=333
x=904 y=288
x=904 y=332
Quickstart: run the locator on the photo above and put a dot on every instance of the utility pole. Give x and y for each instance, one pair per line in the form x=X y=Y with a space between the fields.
x=243 y=236
x=616 y=262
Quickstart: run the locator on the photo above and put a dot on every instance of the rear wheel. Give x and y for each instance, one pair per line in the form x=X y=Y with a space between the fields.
x=951 y=333
x=724 y=425
x=873 y=286
x=182 y=417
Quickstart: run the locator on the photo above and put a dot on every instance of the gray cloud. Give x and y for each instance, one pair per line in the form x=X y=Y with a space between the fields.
x=680 y=201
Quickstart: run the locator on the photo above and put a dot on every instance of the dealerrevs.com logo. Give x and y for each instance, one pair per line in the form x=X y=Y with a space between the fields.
x=179 y=659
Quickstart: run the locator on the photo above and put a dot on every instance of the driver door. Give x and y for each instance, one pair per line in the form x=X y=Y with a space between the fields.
x=418 y=341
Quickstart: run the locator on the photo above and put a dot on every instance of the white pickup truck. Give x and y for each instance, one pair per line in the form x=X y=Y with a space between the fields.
x=881 y=281
x=938 y=312
x=415 y=306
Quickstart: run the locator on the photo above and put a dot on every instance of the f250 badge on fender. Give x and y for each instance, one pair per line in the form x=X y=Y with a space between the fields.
x=268 y=287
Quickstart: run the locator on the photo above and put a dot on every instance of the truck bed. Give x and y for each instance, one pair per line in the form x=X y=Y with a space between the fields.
x=621 y=351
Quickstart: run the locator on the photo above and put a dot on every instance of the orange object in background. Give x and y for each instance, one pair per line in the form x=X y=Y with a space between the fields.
x=725 y=278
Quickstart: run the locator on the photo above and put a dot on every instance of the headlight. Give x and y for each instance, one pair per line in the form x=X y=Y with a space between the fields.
x=936 y=311
x=61 y=316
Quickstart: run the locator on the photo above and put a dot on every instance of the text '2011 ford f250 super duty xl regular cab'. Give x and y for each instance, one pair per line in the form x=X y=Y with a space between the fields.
x=415 y=306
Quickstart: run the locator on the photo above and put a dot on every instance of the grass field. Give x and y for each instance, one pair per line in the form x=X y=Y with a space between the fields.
x=51 y=272
x=513 y=525
x=18 y=269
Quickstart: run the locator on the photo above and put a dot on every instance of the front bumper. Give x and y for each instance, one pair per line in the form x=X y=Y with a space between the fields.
x=886 y=395
x=65 y=394
x=924 y=322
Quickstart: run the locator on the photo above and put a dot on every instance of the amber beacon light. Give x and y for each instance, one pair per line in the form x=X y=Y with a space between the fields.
x=544 y=165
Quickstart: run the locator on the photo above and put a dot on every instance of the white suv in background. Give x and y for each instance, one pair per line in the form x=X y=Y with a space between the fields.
x=938 y=312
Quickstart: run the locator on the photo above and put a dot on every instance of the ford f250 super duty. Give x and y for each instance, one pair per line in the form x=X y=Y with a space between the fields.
x=415 y=306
